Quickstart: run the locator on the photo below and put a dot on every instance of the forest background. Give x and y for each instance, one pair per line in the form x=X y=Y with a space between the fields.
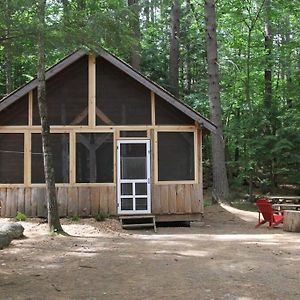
x=258 y=58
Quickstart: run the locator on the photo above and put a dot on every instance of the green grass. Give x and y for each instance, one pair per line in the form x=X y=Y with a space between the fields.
x=21 y=216
x=207 y=202
x=75 y=218
x=101 y=216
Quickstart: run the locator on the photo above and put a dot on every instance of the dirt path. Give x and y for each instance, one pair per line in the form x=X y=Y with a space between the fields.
x=225 y=259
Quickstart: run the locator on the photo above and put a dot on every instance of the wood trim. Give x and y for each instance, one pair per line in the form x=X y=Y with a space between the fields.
x=200 y=166
x=155 y=157
x=92 y=90
x=115 y=136
x=69 y=128
x=72 y=158
x=66 y=185
x=30 y=107
x=176 y=182
x=14 y=130
x=196 y=157
x=152 y=108
x=175 y=128
x=27 y=158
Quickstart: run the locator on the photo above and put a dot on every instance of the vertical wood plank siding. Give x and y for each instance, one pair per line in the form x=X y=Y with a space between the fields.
x=89 y=201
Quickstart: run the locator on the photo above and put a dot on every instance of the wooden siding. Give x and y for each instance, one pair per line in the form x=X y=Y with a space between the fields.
x=176 y=199
x=89 y=201
x=72 y=201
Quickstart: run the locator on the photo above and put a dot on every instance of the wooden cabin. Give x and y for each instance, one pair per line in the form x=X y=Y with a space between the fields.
x=121 y=144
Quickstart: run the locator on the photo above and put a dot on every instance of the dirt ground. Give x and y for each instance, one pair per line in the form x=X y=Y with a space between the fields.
x=224 y=259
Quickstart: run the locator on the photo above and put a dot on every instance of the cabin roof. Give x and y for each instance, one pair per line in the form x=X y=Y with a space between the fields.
x=120 y=64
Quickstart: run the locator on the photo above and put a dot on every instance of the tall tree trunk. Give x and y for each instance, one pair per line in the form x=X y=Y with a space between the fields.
x=136 y=33
x=288 y=63
x=268 y=85
x=7 y=47
x=188 y=51
x=220 y=180
x=174 y=48
x=53 y=218
x=268 y=50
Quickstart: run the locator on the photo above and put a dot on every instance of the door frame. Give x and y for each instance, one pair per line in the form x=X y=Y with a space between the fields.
x=147 y=180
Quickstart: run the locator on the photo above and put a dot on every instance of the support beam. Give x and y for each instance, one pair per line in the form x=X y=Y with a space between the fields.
x=30 y=108
x=152 y=108
x=27 y=159
x=72 y=166
x=92 y=90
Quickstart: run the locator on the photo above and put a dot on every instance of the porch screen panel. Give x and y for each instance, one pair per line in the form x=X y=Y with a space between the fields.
x=15 y=114
x=60 y=149
x=167 y=114
x=94 y=158
x=176 y=156
x=11 y=158
x=131 y=133
x=120 y=99
x=67 y=96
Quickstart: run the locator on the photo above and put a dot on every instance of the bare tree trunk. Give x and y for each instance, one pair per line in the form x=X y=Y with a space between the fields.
x=136 y=32
x=220 y=180
x=188 y=50
x=174 y=48
x=8 y=49
x=289 y=81
x=268 y=48
x=53 y=218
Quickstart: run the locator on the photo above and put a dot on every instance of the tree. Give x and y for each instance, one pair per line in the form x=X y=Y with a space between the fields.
x=53 y=217
x=174 y=48
x=220 y=181
x=135 y=57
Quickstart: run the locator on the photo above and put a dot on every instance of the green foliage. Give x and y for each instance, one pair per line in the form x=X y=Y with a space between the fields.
x=101 y=216
x=21 y=216
x=75 y=218
x=207 y=202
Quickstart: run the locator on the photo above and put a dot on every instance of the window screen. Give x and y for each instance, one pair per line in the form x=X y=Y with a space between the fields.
x=175 y=156
x=11 y=158
x=120 y=99
x=167 y=114
x=15 y=114
x=67 y=96
x=94 y=157
x=133 y=133
x=60 y=150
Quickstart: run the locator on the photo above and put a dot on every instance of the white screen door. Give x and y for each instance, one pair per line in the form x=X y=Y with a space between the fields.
x=133 y=159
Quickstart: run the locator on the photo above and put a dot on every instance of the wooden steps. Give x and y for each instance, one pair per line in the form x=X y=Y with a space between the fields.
x=138 y=221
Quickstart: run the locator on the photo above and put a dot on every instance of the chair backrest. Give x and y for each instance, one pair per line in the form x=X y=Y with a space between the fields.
x=265 y=207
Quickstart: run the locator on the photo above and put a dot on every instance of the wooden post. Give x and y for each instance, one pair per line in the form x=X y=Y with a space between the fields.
x=92 y=90
x=152 y=108
x=30 y=108
x=72 y=166
x=27 y=158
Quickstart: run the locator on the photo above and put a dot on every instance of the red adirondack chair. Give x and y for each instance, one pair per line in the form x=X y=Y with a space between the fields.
x=269 y=215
